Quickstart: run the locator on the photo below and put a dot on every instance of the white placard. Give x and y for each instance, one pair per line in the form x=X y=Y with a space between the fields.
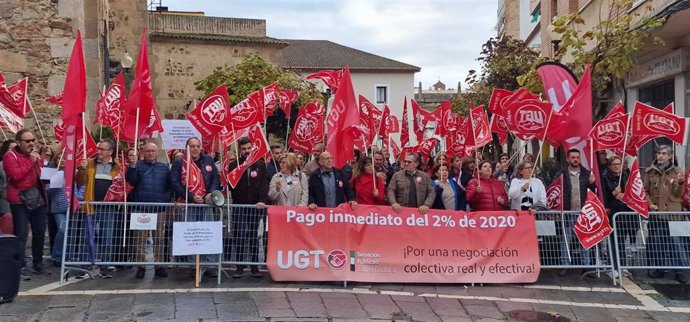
x=197 y=238
x=57 y=180
x=143 y=221
x=48 y=173
x=546 y=228
x=679 y=228
x=176 y=133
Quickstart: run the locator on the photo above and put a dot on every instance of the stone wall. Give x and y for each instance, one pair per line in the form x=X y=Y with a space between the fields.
x=177 y=64
x=207 y=25
x=36 y=39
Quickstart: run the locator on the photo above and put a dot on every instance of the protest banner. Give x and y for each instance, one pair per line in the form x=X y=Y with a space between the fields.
x=176 y=133
x=197 y=238
x=375 y=244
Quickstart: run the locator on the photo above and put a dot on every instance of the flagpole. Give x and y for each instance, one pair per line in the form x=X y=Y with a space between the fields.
x=38 y=123
x=83 y=133
x=136 y=134
x=625 y=144
x=124 y=193
x=186 y=184
x=60 y=160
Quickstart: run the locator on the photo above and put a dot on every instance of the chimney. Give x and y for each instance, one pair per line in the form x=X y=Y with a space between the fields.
x=459 y=88
x=420 y=87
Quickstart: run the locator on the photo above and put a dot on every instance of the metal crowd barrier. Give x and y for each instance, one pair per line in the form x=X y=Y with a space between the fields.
x=661 y=242
x=559 y=247
x=102 y=235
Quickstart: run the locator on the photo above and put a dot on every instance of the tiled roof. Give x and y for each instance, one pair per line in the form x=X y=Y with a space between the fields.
x=219 y=38
x=314 y=55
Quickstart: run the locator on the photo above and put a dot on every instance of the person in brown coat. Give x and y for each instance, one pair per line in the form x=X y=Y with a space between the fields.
x=663 y=185
x=410 y=187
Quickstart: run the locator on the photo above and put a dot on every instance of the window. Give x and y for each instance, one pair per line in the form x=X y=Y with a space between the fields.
x=381 y=94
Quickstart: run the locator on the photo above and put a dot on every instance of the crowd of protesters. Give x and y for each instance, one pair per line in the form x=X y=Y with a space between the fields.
x=295 y=179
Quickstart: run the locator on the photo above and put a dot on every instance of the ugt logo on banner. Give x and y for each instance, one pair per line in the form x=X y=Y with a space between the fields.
x=592 y=224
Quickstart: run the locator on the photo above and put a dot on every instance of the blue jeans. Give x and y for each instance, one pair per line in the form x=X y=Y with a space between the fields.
x=585 y=254
x=21 y=218
x=105 y=227
x=56 y=252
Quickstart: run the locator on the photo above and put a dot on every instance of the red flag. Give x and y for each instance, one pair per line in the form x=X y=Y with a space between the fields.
x=228 y=137
x=635 y=142
x=331 y=78
x=558 y=81
x=19 y=94
x=7 y=100
x=195 y=185
x=396 y=149
x=308 y=128
x=480 y=127
x=456 y=142
x=74 y=99
x=446 y=120
x=259 y=149
x=116 y=191
x=109 y=106
x=341 y=122
x=426 y=146
x=592 y=225
x=9 y=120
x=59 y=130
x=498 y=100
x=421 y=118
x=287 y=97
x=249 y=111
x=393 y=124
x=270 y=98
x=554 y=194
x=141 y=98
x=609 y=133
x=383 y=123
x=528 y=118
x=647 y=120
x=211 y=114
x=579 y=109
x=634 y=195
x=56 y=99
x=499 y=126
x=366 y=129
x=617 y=110
x=404 y=126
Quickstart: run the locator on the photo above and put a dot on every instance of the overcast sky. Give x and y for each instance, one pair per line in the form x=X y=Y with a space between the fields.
x=443 y=37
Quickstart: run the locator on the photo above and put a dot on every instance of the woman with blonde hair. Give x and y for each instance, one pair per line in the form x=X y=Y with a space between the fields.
x=288 y=187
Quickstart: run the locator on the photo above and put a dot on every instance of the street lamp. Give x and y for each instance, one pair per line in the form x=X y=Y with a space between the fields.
x=555 y=37
x=126 y=61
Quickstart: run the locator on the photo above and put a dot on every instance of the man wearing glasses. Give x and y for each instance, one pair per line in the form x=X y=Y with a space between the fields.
x=22 y=167
x=613 y=182
x=410 y=187
x=97 y=175
x=663 y=184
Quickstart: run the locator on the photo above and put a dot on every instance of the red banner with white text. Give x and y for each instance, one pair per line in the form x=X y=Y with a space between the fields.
x=375 y=244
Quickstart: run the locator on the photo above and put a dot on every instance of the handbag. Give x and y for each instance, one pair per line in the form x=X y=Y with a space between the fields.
x=32 y=198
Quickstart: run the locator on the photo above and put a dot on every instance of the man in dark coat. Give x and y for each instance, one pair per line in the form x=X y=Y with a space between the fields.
x=251 y=189
x=328 y=186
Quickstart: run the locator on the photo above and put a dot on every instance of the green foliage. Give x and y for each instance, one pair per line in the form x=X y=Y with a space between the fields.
x=610 y=45
x=254 y=73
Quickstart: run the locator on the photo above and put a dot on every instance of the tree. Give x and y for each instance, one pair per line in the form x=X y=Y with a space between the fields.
x=610 y=46
x=502 y=62
x=252 y=74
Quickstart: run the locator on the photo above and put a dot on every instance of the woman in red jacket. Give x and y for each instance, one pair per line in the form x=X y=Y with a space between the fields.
x=486 y=193
x=363 y=184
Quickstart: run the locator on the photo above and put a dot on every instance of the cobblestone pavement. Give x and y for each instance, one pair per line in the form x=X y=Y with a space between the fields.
x=125 y=298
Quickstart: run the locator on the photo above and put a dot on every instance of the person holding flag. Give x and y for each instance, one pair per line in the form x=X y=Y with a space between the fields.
x=193 y=189
x=150 y=181
x=251 y=189
x=663 y=184
x=576 y=181
x=97 y=175
x=613 y=191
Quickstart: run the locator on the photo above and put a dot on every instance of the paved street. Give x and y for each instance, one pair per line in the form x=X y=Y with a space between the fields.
x=125 y=298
